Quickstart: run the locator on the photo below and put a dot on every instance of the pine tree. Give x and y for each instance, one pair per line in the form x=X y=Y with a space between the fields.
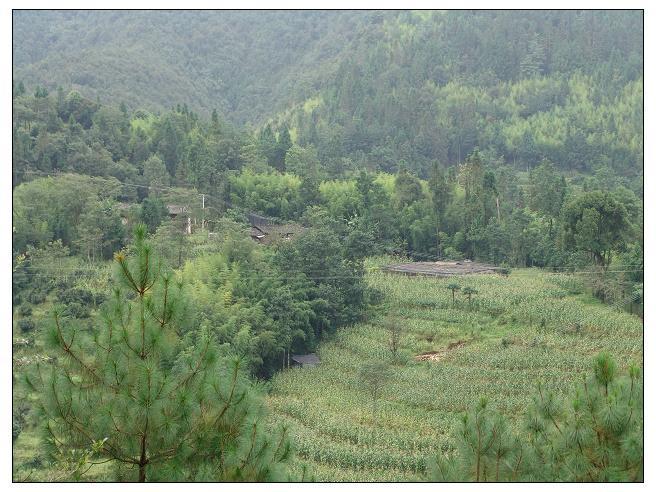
x=158 y=402
x=215 y=121
x=547 y=190
x=595 y=437
x=268 y=145
x=486 y=449
x=18 y=88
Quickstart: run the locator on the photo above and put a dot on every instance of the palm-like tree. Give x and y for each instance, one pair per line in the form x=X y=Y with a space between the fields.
x=453 y=288
x=469 y=291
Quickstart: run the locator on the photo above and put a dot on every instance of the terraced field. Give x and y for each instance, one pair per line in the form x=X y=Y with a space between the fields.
x=517 y=330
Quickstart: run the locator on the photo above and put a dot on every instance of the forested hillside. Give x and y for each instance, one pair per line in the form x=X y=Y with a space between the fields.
x=247 y=65
x=522 y=86
x=375 y=88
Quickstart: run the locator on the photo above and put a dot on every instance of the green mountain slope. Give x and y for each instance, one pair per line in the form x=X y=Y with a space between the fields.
x=521 y=85
x=245 y=63
x=380 y=90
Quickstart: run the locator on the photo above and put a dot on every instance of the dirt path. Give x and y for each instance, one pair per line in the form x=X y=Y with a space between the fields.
x=438 y=355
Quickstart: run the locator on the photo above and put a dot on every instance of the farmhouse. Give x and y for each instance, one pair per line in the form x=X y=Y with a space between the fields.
x=180 y=211
x=175 y=210
x=264 y=232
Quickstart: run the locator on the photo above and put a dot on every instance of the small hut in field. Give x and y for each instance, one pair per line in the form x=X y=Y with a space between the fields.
x=308 y=360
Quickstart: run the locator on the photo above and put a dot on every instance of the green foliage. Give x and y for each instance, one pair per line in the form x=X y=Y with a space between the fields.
x=162 y=406
x=153 y=211
x=54 y=208
x=26 y=325
x=329 y=409
x=374 y=378
x=272 y=194
x=341 y=198
x=407 y=188
x=524 y=93
x=100 y=231
x=376 y=88
x=394 y=329
x=18 y=421
x=25 y=310
x=487 y=449
x=382 y=132
x=266 y=303
x=453 y=287
x=595 y=436
x=482 y=210
x=532 y=64
x=155 y=172
x=302 y=161
x=253 y=73
x=548 y=190
x=595 y=223
x=469 y=292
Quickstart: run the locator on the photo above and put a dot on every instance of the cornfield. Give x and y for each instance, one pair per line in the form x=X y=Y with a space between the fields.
x=531 y=326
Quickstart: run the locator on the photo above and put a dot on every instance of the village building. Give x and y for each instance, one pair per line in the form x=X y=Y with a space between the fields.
x=264 y=232
x=181 y=211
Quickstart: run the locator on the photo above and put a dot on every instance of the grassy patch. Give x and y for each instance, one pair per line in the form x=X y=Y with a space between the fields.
x=516 y=331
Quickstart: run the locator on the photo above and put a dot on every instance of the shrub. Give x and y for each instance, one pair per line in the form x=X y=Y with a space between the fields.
x=76 y=295
x=16 y=428
x=374 y=296
x=99 y=298
x=36 y=297
x=77 y=310
x=17 y=423
x=26 y=325
x=25 y=310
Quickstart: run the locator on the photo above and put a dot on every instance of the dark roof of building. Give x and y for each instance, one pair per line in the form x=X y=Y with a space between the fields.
x=273 y=232
x=176 y=209
x=308 y=359
x=258 y=220
x=257 y=233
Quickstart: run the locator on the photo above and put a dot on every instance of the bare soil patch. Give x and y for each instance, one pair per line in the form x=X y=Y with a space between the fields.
x=438 y=355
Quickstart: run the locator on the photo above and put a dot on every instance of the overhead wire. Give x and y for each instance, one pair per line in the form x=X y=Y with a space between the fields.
x=545 y=270
x=177 y=189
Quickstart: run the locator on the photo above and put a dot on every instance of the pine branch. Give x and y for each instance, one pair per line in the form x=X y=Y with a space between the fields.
x=195 y=371
x=67 y=349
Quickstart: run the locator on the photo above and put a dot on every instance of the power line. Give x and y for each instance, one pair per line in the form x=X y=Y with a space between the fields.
x=515 y=272
x=565 y=270
x=310 y=276
x=134 y=185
